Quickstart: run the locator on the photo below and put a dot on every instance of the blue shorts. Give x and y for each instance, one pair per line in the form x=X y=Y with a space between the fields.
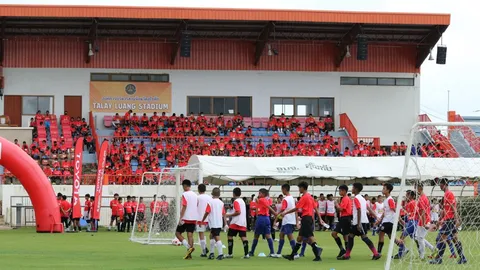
x=410 y=228
x=262 y=225
x=448 y=228
x=287 y=229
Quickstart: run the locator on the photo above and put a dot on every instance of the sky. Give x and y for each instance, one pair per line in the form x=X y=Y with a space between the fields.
x=457 y=79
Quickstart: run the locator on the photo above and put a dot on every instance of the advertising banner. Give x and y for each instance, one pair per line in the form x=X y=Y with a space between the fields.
x=140 y=97
x=77 y=174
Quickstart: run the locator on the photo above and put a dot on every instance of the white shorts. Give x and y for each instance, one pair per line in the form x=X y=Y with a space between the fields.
x=434 y=217
x=86 y=215
x=421 y=232
x=201 y=228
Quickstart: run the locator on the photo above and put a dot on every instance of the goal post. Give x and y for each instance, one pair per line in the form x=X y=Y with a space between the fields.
x=156 y=225
x=439 y=150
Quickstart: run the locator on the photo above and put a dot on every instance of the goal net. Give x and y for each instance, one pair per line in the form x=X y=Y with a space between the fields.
x=435 y=230
x=155 y=223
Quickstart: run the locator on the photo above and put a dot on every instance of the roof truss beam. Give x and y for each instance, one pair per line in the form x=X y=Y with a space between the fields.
x=178 y=41
x=428 y=43
x=346 y=41
x=92 y=36
x=262 y=41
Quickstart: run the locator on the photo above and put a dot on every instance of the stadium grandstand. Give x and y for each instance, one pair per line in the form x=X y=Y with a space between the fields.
x=162 y=84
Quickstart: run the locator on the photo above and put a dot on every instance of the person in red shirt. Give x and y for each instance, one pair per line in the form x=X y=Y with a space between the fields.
x=344 y=224
x=262 y=225
x=120 y=215
x=128 y=216
x=65 y=208
x=306 y=205
x=140 y=216
x=449 y=224
x=423 y=217
x=86 y=210
x=114 y=207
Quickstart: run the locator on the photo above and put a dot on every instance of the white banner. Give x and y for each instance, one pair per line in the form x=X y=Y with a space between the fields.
x=287 y=168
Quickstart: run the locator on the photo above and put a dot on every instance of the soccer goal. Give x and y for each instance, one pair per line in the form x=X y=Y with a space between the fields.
x=161 y=197
x=438 y=153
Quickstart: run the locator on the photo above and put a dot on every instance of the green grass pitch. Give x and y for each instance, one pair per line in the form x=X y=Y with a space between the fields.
x=25 y=249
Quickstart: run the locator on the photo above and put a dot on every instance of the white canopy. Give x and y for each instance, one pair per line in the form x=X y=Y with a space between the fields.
x=340 y=168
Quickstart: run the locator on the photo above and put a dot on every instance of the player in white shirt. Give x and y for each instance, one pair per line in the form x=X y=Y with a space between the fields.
x=238 y=224
x=188 y=218
x=359 y=224
x=215 y=212
x=322 y=208
x=289 y=221
x=386 y=220
x=331 y=211
x=201 y=228
x=378 y=209
x=435 y=212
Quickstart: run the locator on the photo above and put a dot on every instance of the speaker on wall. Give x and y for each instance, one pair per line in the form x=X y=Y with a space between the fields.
x=362 y=48
x=441 y=55
x=185 y=45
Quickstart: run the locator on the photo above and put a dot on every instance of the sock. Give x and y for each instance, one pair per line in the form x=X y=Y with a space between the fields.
x=219 y=248
x=280 y=246
x=304 y=246
x=230 y=246
x=421 y=247
x=460 y=250
x=401 y=249
x=185 y=244
x=254 y=246
x=245 y=247
x=451 y=247
x=370 y=245
x=212 y=245
x=441 y=248
x=315 y=249
x=292 y=244
x=380 y=247
x=339 y=243
x=296 y=248
x=349 y=246
x=270 y=245
x=203 y=246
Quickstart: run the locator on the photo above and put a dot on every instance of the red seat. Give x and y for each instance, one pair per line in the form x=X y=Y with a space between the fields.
x=247 y=121
x=263 y=121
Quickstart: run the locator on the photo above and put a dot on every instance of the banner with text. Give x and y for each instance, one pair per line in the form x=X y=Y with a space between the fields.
x=77 y=172
x=140 y=97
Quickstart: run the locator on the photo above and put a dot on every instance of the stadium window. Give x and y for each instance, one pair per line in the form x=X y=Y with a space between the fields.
x=326 y=106
x=120 y=77
x=217 y=105
x=386 y=81
x=302 y=106
x=32 y=104
x=139 y=78
x=99 y=77
x=282 y=105
x=159 y=77
x=404 y=82
x=306 y=106
x=367 y=81
x=348 y=80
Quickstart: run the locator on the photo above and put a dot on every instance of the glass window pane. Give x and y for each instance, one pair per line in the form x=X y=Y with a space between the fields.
x=277 y=109
x=120 y=77
x=193 y=105
x=139 y=77
x=159 y=78
x=288 y=109
x=99 y=77
x=301 y=110
x=326 y=106
x=206 y=105
x=386 y=81
x=244 y=106
x=405 y=81
x=229 y=105
x=219 y=106
x=368 y=81
x=29 y=105
x=44 y=104
x=348 y=81
x=306 y=106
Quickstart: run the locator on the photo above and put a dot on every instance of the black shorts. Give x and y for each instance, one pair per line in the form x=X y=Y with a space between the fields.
x=215 y=231
x=234 y=233
x=306 y=227
x=387 y=228
x=140 y=217
x=329 y=219
x=344 y=225
x=64 y=219
x=186 y=227
x=357 y=232
x=113 y=218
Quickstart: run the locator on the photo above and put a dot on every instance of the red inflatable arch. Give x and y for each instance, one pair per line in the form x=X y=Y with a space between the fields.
x=37 y=185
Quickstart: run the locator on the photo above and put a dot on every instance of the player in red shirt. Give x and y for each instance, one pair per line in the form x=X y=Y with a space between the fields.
x=307 y=206
x=410 y=225
x=140 y=216
x=120 y=211
x=65 y=208
x=262 y=225
x=114 y=207
x=449 y=224
x=128 y=221
x=344 y=224
x=423 y=217
x=86 y=210
x=253 y=213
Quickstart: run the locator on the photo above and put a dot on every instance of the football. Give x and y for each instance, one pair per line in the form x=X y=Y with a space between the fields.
x=176 y=242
